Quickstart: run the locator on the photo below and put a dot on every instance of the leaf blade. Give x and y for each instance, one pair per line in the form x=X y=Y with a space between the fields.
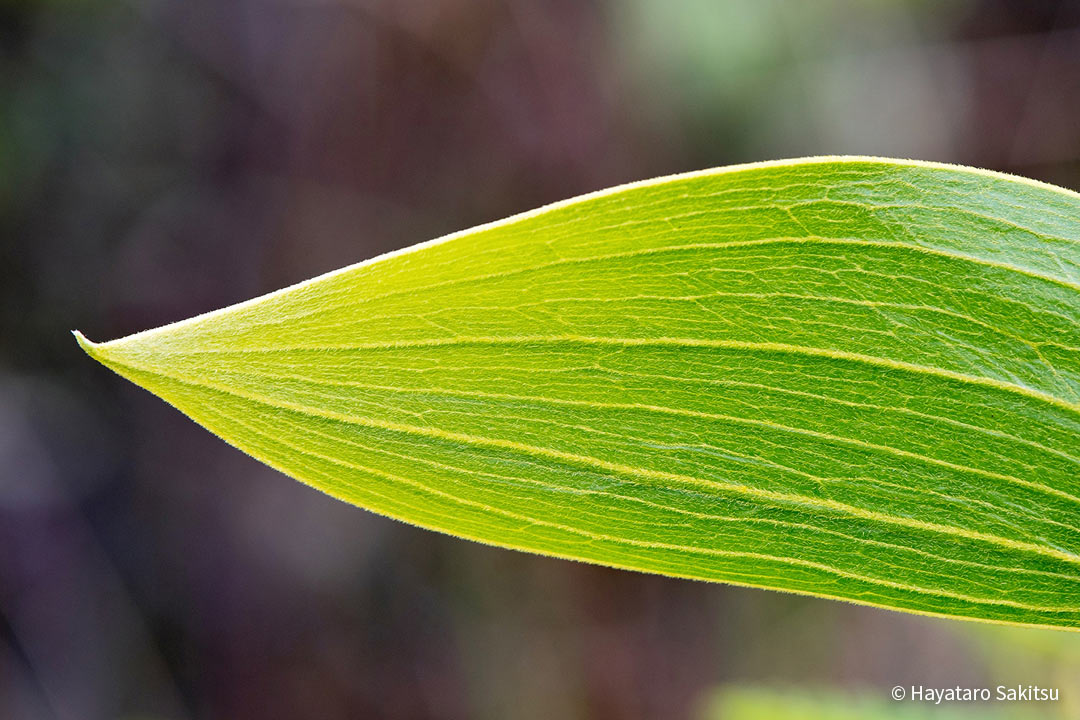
x=851 y=378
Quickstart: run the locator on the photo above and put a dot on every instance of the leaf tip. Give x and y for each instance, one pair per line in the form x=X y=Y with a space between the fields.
x=91 y=348
x=84 y=343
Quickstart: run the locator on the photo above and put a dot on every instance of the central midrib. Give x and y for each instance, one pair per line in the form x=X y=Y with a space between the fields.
x=720 y=344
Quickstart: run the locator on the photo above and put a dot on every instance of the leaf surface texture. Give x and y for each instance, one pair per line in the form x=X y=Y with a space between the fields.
x=846 y=377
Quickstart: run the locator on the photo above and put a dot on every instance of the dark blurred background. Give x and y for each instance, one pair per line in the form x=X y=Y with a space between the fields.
x=161 y=158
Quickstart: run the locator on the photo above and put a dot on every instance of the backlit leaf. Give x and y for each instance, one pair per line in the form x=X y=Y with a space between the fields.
x=846 y=377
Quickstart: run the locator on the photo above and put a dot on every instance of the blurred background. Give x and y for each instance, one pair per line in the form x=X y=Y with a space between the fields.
x=162 y=158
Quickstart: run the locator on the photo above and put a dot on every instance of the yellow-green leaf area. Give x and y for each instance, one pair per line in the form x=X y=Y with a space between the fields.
x=847 y=377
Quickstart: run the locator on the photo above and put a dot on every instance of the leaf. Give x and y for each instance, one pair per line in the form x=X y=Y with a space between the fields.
x=852 y=378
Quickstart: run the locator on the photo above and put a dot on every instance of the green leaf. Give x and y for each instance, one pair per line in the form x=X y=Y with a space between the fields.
x=846 y=377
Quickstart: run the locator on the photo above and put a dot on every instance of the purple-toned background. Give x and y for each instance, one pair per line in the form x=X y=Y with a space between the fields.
x=161 y=158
